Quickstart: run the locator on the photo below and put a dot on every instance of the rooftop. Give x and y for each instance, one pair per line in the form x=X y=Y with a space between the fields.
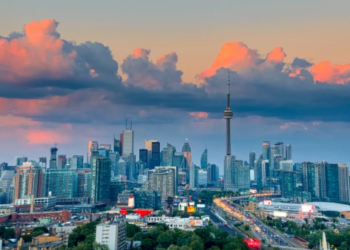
x=330 y=206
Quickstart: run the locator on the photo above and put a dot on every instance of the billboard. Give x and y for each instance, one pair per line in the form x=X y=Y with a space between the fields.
x=279 y=214
x=196 y=223
x=191 y=209
x=267 y=202
x=253 y=191
x=307 y=208
x=200 y=205
x=131 y=202
x=191 y=203
x=182 y=206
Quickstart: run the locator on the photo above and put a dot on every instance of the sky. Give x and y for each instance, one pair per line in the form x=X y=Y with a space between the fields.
x=74 y=71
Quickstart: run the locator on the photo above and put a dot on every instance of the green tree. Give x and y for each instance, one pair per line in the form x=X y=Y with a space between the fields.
x=204 y=234
x=214 y=248
x=246 y=228
x=165 y=239
x=131 y=230
x=185 y=248
x=82 y=246
x=148 y=244
x=98 y=246
x=138 y=236
x=9 y=233
x=197 y=244
x=184 y=239
x=173 y=247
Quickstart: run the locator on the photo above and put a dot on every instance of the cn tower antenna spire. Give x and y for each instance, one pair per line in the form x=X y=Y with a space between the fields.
x=228 y=90
x=228 y=116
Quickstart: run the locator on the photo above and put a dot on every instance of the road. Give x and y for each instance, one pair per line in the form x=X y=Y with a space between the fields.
x=219 y=224
x=270 y=235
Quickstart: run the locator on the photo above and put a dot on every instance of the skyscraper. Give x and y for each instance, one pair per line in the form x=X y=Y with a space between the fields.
x=251 y=160
x=121 y=139
x=164 y=157
x=76 y=162
x=213 y=174
x=343 y=173
x=148 y=146
x=186 y=149
x=170 y=154
x=101 y=179
x=62 y=161
x=279 y=146
x=143 y=155
x=163 y=180
x=204 y=159
x=288 y=152
x=229 y=162
x=155 y=157
x=128 y=141
x=116 y=146
x=43 y=161
x=266 y=150
x=194 y=176
x=92 y=146
x=53 y=158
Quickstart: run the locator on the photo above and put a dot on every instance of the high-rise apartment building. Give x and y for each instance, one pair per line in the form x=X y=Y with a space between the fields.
x=60 y=183
x=229 y=173
x=114 y=157
x=288 y=152
x=180 y=161
x=92 y=147
x=147 y=199
x=112 y=233
x=29 y=181
x=100 y=179
x=286 y=165
x=288 y=184
x=163 y=180
x=252 y=157
x=266 y=150
x=82 y=183
x=204 y=159
x=242 y=176
x=53 y=158
x=128 y=142
x=343 y=176
x=311 y=179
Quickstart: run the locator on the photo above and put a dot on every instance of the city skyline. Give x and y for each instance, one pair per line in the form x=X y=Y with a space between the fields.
x=78 y=96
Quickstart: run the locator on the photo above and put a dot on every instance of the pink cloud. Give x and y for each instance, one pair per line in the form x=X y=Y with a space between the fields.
x=46 y=137
x=37 y=53
x=277 y=55
x=199 y=115
x=325 y=72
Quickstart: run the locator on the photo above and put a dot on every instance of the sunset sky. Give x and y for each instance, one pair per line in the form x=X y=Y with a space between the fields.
x=73 y=71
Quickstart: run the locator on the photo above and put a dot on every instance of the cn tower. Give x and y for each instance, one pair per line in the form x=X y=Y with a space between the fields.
x=228 y=116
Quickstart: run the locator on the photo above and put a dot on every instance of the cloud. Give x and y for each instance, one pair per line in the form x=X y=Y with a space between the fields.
x=46 y=137
x=67 y=82
x=289 y=125
x=325 y=72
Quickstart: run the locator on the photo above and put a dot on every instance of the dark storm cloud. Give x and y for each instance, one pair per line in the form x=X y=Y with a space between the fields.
x=300 y=63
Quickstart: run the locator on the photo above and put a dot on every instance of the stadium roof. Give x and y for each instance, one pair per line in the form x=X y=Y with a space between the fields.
x=329 y=206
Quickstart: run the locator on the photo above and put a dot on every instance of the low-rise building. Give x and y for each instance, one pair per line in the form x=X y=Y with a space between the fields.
x=48 y=202
x=188 y=224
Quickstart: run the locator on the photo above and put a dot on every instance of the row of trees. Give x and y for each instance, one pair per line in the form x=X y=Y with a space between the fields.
x=161 y=237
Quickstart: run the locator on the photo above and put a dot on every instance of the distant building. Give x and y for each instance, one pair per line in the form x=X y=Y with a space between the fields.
x=163 y=180
x=286 y=165
x=112 y=233
x=29 y=181
x=279 y=146
x=288 y=152
x=266 y=150
x=155 y=157
x=62 y=161
x=106 y=146
x=202 y=177
x=60 y=183
x=128 y=142
x=311 y=179
x=92 y=146
x=204 y=159
x=186 y=150
x=53 y=158
x=147 y=199
x=148 y=146
x=76 y=162
x=117 y=146
x=164 y=157
x=19 y=160
x=170 y=154
x=82 y=183
x=101 y=179
x=194 y=176
x=252 y=157
x=213 y=174
x=143 y=155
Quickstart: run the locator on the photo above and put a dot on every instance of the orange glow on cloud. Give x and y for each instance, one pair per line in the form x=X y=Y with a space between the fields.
x=277 y=55
x=199 y=115
x=46 y=137
x=38 y=52
x=325 y=72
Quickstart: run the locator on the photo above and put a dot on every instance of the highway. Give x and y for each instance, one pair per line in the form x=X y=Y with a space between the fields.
x=266 y=233
x=218 y=223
